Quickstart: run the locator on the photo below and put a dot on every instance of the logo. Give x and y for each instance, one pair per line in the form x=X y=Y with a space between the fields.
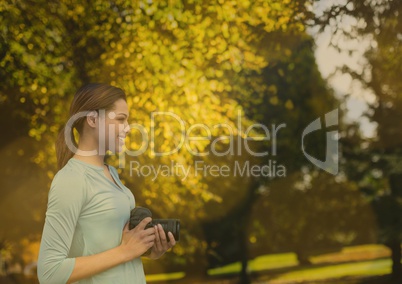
x=110 y=140
x=330 y=164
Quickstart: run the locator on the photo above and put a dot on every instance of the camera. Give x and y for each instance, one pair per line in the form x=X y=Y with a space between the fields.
x=168 y=225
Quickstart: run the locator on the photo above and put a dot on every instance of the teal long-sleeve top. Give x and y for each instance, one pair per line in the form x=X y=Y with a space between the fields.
x=86 y=214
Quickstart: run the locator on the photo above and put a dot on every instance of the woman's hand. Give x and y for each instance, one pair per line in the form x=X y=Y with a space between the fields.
x=137 y=241
x=161 y=245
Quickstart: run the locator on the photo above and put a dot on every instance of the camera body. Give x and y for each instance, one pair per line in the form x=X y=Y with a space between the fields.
x=168 y=225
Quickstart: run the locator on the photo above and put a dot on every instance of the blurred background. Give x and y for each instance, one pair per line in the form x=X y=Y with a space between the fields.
x=238 y=63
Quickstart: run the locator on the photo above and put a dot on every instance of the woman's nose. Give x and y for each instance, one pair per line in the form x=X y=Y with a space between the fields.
x=127 y=128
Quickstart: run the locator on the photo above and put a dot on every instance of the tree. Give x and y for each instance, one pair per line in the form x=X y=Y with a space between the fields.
x=375 y=165
x=299 y=96
x=179 y=57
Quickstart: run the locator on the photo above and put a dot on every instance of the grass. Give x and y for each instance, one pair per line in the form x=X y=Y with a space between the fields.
x=364 y=268
x=266 y=262
x=355 y=253
x=164 y=277
x=359 y=261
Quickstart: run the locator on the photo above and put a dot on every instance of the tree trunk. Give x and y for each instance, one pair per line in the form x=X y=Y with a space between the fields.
x=196 y=270
x=395 y=247
x=245 y=222
x=302 y=258
x=244 y=277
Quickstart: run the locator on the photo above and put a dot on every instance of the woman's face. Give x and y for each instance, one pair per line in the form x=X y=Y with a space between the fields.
x=116 y=126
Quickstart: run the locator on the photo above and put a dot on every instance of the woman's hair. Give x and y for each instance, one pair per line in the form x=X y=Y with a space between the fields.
x=91 y=97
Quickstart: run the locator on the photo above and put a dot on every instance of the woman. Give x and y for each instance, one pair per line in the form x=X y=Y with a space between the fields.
x=86 y=236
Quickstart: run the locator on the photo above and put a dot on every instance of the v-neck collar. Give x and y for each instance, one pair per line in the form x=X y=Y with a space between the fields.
x=98 y=168
x=114 y=182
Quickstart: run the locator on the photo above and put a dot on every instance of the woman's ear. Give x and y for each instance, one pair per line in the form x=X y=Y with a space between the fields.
x=92 y=118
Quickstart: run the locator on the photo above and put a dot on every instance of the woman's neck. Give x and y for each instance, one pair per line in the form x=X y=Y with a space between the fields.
x=95 y=160
x=85 y=148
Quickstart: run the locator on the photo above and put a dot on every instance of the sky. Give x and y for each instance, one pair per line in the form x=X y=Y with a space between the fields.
x=328 y=59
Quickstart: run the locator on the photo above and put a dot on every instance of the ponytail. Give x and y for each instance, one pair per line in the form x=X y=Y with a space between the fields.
x=91 y=97
x=63 y=152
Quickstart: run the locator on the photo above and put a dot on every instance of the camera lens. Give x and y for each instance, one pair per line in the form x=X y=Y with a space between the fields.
x=170 y=225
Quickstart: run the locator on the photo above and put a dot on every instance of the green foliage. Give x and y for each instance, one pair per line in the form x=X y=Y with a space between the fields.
x=207 y=62
x=376 y=163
